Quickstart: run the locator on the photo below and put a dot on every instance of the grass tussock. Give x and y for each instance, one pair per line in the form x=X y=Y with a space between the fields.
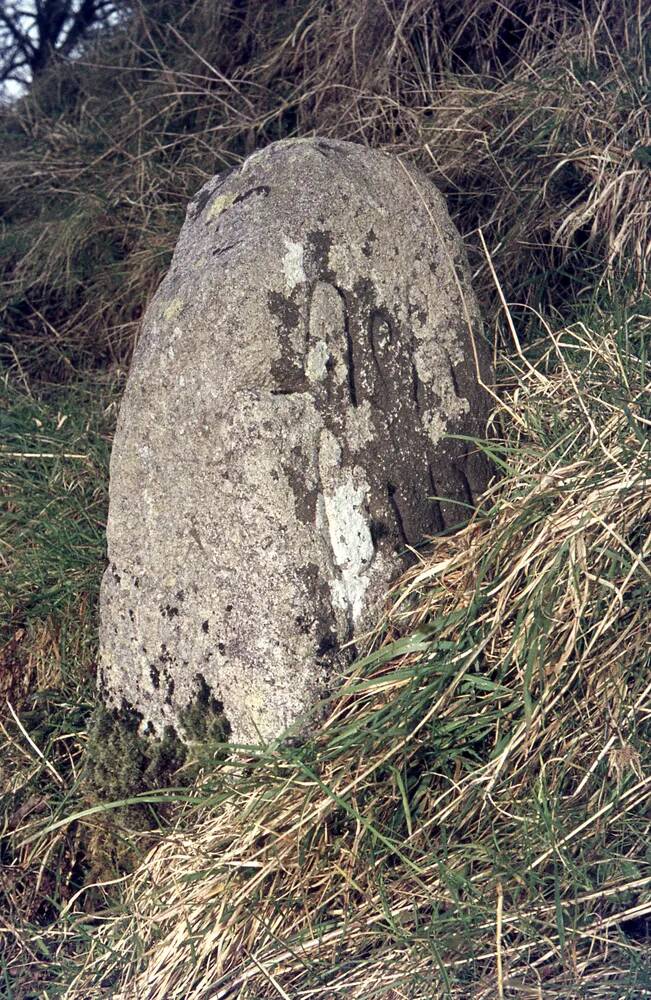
x=533 y=121
x=53 y=462
x=54 y=447
x=471 y=820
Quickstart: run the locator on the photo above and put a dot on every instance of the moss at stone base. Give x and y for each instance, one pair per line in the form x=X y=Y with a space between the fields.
x=120 y=763
x=203 y=721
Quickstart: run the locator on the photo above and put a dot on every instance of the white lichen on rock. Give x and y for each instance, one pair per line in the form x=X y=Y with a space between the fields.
x=173 y=309
x=351 y=541
x=359 y=426
x=316 y=366
x=293 y=265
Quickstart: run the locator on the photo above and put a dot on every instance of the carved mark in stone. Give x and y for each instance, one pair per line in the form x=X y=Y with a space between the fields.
x=328 y=329
x=218 y=251
x=380 y=370
x=452 y=482
x=350 y=349
x=464 y=480
x=415 y=387
x=262 y=189
x=453 y=376
x=391 y=493
x=202 y=200
x=399 y=394
x=323 y=150
x=382 y=336
x=288 y=369
x=328 y=149
x=458 y=474
x=384 y=377
x=317 y=256
x=378 y=530
x=438 y=516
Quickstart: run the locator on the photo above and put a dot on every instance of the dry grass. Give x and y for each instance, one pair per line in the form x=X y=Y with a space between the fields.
x=534 y=123
x=471 y=818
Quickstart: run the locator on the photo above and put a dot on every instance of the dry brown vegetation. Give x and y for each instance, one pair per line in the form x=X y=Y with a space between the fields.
x=472 y=819
x=533 y=119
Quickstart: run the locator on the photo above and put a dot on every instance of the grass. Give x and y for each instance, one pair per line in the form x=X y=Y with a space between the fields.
x=56 y=444
x=53 y=481
x=471 y=820
x=533 y=123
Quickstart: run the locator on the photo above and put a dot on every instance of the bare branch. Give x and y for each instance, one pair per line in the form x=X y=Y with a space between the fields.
x=20 y=37
x=33 y=37
x=83 y=19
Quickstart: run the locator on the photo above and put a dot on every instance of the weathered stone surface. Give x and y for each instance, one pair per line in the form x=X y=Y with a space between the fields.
x=282 y=432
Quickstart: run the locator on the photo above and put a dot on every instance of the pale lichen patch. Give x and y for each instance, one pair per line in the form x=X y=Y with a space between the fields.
x=293 y=265
x=221 y=202
x=173 y=309
x=316 y=366
x=431 y=363
x=437 y=424
x=359 y=426
x=351 y=543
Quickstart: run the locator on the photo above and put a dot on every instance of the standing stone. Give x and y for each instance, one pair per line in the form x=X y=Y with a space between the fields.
x=282 y=433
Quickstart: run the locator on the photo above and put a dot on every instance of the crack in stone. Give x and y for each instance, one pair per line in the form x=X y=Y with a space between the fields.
x=350 y=348
x=262 y=189
x=391 y=494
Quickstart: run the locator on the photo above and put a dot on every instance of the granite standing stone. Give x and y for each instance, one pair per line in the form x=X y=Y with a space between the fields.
x=283 y=432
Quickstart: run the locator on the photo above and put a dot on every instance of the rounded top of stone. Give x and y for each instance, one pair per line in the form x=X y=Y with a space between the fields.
x=310 y=171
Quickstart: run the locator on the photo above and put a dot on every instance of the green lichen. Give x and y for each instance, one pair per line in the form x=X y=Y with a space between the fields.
x=173 y=309
x=221 y=202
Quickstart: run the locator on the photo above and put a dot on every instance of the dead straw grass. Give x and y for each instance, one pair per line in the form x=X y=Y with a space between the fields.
x=533 y=119
x=470 y=821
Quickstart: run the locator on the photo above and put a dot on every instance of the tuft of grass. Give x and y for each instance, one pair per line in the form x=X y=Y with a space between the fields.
x=53 y=478
x=61 y=754
x=54 y=450
x=472 y=818
x=533 y=121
